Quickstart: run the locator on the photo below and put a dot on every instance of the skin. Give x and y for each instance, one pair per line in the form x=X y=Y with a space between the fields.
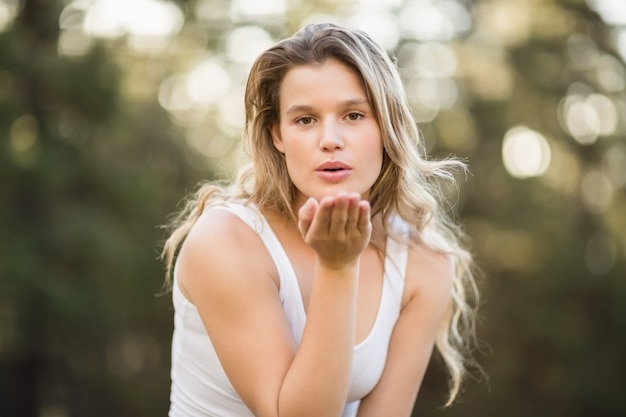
x=339 y=273
x=326 y=118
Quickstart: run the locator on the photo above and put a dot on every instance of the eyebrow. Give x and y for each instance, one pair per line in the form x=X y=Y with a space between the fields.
x=296 y=108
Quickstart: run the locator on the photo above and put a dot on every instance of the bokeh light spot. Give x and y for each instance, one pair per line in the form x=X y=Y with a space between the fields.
x=620 y=42
x=596 y=191
x=614 y=165
x=381 y=26
x=8 y=12
x=113 y=18
x=74 y=42
x=612 y=12
x=600 y=253
x=611 y=74
x=509 y=21
x=377 y=5
x=174 y=97
x=241 y=9
x=208 y=82
x=582 y=51
x=525 y=152
x=426 y=20
x=484 y=63
x=147 y=24
x=231 y=113
x=435 y=59
x=24 y=133
x=586 y=117
x=132 y=354
x=245 y=43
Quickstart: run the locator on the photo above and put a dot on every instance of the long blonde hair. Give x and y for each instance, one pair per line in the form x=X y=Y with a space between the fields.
x=408 y=186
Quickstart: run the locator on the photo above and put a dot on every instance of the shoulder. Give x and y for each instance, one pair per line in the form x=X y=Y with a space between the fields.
x=222 y=218
x=215 y=247
x=221 y=230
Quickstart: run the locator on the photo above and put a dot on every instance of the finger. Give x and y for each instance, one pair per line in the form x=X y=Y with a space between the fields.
x=364 y=223
x=353 y=212
x=339 y=215
x=306 y=215
x=321 y=219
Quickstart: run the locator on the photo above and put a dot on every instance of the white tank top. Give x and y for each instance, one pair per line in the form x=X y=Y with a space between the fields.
x=200 y=386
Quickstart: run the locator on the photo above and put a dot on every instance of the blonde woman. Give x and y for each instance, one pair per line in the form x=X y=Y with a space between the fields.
x=319 y=283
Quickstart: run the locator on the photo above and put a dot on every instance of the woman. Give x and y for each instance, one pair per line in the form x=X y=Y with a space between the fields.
x=319 y=283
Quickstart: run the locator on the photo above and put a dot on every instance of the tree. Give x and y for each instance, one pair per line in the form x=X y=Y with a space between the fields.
x=107 y=131
x=86 y=179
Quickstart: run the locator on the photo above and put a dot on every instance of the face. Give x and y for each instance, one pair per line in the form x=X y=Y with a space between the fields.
x=327 y=131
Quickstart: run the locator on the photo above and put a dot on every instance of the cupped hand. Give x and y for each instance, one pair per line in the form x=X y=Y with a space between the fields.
x=337 y=228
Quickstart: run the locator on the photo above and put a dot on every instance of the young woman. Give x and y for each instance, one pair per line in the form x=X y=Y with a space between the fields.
x=320 y=281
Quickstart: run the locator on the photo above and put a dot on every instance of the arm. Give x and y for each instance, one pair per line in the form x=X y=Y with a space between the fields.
x=425 y=302
x=226 y=272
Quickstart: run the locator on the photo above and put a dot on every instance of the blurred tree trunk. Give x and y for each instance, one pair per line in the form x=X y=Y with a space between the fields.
x=32 y=38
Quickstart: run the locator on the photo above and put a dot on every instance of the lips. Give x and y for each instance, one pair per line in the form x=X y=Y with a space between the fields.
x=332 y=166
x=333 y=171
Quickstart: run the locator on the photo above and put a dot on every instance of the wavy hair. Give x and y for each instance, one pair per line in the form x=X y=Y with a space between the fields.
x=409 y=184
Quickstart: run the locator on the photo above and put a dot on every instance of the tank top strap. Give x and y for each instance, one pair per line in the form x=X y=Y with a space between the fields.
x=289 y=290
x=396 y=257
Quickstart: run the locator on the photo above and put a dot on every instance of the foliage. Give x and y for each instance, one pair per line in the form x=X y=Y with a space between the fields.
x=100 y=144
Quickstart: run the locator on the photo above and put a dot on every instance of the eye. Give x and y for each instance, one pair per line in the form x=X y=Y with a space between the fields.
x=305 y=120
x=355 y=116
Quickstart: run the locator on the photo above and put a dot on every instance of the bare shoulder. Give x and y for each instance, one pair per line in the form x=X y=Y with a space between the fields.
x=225 y=270
x=220 y=245
x=430 y=275
x=220 y=227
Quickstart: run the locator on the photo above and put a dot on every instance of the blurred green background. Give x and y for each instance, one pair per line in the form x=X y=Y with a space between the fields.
x=111 y=111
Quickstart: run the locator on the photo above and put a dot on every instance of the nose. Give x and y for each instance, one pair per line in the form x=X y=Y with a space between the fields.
x=331 y=137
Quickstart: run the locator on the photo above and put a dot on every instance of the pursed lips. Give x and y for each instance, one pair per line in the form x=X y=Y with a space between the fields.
x=333 y=170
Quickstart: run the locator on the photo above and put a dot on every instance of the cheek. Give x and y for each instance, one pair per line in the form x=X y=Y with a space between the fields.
x=295 y=161
x=294 y=149
x=377 y=160
x=290 y=156
x=377 y=154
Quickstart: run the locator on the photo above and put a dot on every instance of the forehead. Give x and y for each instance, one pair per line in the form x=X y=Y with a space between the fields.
x=332 y=78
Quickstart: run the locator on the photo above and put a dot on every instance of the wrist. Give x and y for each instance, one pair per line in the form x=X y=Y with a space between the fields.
x=338 y=267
